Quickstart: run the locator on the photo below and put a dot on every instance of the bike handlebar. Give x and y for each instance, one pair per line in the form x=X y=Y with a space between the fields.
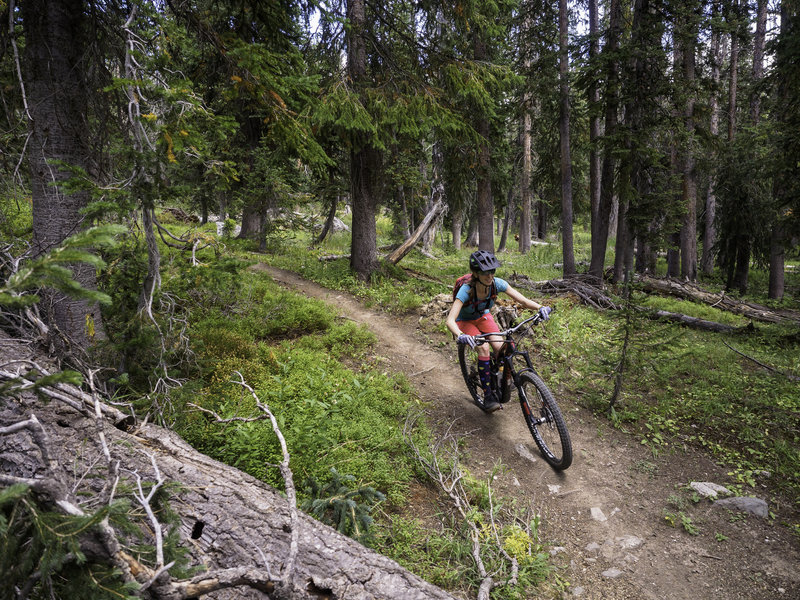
x=484 y=337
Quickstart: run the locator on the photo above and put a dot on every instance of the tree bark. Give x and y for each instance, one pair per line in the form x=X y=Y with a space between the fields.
x=567 y=249
x=508 y=216
x=594 y=118
x=733 y=74
x=710 y=227
x=483 y=170
x=525 y=182
x=455 y=228
x=689 y=183
x=777 y=261
x=55 y=48
x=365 y=160
x=758 y=60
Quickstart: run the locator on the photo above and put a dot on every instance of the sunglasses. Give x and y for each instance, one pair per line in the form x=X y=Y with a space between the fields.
x=490 y=272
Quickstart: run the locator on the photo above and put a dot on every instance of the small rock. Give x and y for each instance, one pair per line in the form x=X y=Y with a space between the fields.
x=629 y=542
x=557 y=550
x=554 y=489
x=523 y=451
x=612 y=573
x=597 y=514
x=592 y=547
x=577 y=591
x=630 y=559
x=517 y=483
x=708 y=489
x=754 y=506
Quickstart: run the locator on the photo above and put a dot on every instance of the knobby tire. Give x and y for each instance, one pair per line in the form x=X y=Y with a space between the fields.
x=468 y=359
x=551 y=436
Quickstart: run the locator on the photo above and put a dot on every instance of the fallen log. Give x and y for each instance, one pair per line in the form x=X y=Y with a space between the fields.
x=236 y=527
x=429 y=220
x=592 y=296
x=693 y=322
x=690 y=291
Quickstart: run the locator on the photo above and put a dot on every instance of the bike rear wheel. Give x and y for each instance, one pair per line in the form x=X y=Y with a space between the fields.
x=545 y=421
x=468 y=359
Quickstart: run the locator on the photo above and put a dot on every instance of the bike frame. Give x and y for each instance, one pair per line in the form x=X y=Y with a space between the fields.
x=504 y=355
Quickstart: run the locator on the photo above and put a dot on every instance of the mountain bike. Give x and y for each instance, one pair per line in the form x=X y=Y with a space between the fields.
x=539 y=406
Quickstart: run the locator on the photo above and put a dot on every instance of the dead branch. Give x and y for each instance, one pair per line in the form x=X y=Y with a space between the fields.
x=441 y=464
x=760 y=364
x=579 y=286
x=288 y=479
x=24 y=378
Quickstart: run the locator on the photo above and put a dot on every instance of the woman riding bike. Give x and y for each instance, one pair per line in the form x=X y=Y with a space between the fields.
x=471 y=315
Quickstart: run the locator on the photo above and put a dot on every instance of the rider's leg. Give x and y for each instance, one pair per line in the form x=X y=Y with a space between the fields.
x=486 y=324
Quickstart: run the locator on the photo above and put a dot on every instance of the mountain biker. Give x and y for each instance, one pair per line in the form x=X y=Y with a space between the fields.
x=470 y=315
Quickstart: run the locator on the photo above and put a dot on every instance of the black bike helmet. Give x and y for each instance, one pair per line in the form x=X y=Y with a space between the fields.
x=483 y=260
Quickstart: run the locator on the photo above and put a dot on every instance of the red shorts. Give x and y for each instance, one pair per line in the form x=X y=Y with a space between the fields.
x=485 y=324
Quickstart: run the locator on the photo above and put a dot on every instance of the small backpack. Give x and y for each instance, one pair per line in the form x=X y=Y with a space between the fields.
x=467 y=278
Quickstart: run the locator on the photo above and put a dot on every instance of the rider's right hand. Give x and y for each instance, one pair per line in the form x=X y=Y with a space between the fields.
x=466 y=339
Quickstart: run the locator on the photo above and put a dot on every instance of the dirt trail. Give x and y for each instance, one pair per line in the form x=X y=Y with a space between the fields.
x=605 y=515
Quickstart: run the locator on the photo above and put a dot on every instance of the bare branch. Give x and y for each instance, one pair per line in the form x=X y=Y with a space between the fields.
x=760 y=364
x=288 y=479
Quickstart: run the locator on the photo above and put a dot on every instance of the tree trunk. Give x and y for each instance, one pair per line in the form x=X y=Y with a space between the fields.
x=436 y=196
x=600 y=231
x=483 y=171
x=541 y=219
x=455 y=228
x=758 y=60
x=674 y=255
x=472 y=232
x=334 y=204
x=55 y=46
x=710 y=227
x=733 y=75
x=252 y=220
x=689 y=183
x=742 y=267
x=594 y=119
x=525 y=183
x=507 y=218
x=567 y=249
x=426 y=224
x=364 y=159
x=777 y=261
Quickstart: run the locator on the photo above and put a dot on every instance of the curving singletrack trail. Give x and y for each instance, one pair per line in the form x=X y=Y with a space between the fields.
x=604 y=518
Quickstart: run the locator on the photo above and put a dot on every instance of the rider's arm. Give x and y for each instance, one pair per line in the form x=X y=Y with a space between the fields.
x=515 y=295
x=451 y=317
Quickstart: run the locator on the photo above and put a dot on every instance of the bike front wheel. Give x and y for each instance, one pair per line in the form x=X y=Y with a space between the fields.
x=545 y=421
x=468 y=359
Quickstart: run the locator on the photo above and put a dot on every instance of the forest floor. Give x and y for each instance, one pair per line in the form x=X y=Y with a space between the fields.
x=603 y=519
